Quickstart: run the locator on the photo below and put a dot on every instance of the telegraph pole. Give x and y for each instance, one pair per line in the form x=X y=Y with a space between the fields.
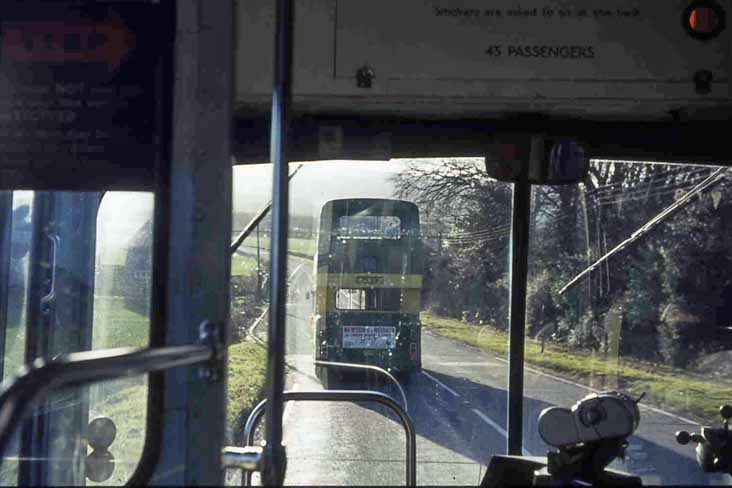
x=259 y=272
x=587 y=242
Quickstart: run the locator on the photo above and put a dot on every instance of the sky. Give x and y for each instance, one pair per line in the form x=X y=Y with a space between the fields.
x=315 y=183
x=122 y=214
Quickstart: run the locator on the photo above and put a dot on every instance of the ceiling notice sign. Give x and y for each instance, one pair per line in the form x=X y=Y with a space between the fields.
x=78 y=97
x=527 y=40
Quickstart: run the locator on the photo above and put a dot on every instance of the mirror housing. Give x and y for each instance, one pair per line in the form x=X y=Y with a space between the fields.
x=544 y=160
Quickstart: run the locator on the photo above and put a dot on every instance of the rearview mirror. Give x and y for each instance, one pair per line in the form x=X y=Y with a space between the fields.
x=544 y=160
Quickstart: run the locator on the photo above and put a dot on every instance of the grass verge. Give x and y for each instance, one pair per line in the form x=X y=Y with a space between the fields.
x=244 y=265
x=294 y=245
x=247 y=364
x=125 y=402
x=673 y=389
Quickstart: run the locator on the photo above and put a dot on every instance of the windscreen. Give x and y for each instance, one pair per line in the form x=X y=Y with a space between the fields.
x=77 y=278
x=629 y=289
x=379 y=274
x=650 y=317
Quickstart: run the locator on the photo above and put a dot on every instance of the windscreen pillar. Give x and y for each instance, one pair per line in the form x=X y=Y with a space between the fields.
x=197 y=204
x=517 y=320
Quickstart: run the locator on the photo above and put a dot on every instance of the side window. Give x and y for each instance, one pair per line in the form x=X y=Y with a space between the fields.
x=123 y=270
x=75 y=274
x=20 y=243
x=122 y=293
x=410 y=274
x=16 y=240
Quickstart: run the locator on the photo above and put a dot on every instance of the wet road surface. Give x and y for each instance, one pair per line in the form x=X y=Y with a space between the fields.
x=458 y=406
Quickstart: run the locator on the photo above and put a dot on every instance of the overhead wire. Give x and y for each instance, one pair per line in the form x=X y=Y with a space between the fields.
x=644 y=188
x=672 y=172
x=713 y=179
x=638 y=196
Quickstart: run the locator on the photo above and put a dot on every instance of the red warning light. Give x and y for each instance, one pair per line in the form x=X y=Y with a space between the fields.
x=704 y=20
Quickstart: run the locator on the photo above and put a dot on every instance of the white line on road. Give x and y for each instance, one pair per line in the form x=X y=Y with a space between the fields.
x=297 y=268
x=594 y=390
x=498 y=428
x=440 y=383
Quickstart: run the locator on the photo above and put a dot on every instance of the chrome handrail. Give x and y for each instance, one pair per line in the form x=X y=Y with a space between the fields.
x=368 y=367
x=341 y=396
x=19 y=395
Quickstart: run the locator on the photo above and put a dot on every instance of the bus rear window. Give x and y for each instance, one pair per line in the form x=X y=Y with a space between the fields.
x=369 y=227
x=378 y=299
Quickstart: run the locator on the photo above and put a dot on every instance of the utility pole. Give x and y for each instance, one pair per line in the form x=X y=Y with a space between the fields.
x=587 y=242
x=258 y=291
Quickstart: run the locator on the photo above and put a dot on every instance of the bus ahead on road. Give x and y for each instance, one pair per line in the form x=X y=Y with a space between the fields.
x=367 y=286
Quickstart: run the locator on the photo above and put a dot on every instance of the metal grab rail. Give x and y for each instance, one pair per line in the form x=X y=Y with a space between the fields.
x=79 y=368
x=342 y=396
x=367 y=367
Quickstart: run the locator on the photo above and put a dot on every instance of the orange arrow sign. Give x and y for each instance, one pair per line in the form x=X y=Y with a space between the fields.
x=57 y=42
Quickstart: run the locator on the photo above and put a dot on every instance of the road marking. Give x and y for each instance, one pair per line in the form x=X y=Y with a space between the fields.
x=297 y=268
x=594 y=390
x=440 y=383
x=497 y=427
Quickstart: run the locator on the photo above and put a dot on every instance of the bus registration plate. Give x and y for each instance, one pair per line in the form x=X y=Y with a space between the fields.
x=363 y=337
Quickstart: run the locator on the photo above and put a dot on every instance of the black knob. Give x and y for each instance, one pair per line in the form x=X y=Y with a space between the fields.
x=683 y=437
x=726 y=412
x=99 y=466
x=101 y=433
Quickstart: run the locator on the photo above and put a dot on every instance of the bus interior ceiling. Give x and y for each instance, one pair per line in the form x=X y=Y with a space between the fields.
x=383 y=138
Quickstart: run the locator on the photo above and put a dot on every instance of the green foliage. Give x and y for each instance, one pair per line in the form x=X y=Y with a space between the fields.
x=115 y=325
x=670 y=290
x=247 y=365
x=244 y=265
x=588 y=333
x=695 y=278
x=641 y=303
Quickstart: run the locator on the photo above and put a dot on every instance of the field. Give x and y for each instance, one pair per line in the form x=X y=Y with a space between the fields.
x=675 y=390
x=295 y=246
x=244 y=262
x=125 y=401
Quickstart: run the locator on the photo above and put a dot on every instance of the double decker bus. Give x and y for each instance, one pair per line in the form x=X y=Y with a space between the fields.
x=368 y=282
